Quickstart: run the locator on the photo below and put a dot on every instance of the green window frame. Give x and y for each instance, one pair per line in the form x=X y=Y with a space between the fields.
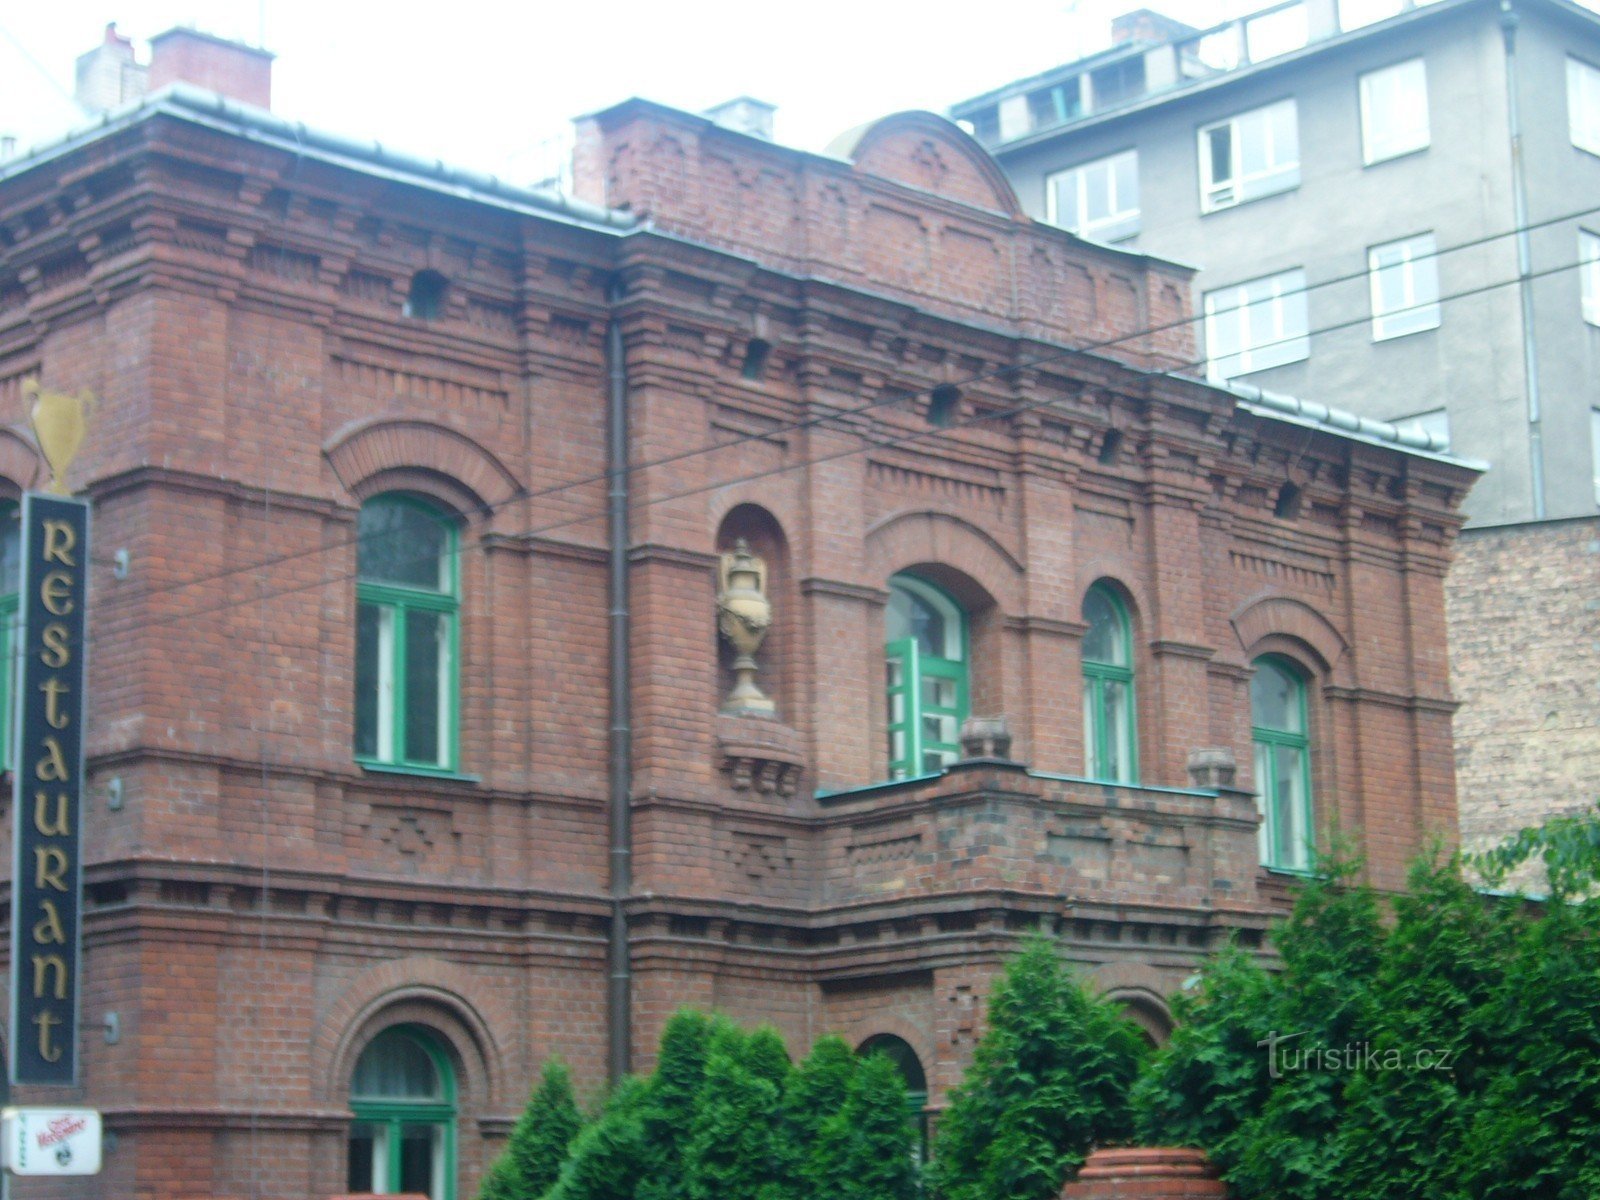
x=407 y=686
x=10 y=627
x=1282 y=743
x=403 y=1103
x=1110 y=727
x=925 y=655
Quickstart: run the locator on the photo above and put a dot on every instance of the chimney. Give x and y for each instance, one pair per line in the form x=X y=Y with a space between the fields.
x=108 y=75
x=202 y=60
x=744 y=114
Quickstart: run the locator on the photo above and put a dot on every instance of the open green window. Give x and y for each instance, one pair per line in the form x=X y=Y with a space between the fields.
x=1109 y=740
x=926 y=676
x=1282 y=763
x=406 y=633
x=403 y=1097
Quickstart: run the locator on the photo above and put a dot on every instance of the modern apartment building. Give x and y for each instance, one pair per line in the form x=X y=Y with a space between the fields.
x=1399 y=210
x=1350 y=194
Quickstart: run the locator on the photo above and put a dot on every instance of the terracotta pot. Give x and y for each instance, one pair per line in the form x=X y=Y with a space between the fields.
x=1156 y=1172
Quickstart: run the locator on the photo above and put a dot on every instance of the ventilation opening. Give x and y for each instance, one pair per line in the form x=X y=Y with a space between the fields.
x=943 y=405
x=1287 y=505
x=425 y=301
x=755 y=358
x=1110 y=447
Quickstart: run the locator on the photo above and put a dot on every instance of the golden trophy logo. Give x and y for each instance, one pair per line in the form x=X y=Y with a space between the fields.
x=60 y=422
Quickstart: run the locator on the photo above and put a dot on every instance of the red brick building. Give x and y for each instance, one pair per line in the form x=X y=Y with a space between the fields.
x=373 y=832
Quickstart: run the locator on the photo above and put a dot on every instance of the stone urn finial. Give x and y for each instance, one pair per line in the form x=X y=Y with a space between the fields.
x=744 y=615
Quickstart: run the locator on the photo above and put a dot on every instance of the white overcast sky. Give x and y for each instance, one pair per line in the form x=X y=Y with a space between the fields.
x=482 y=84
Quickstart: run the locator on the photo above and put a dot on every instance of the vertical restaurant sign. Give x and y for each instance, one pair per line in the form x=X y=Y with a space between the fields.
x=46 y=869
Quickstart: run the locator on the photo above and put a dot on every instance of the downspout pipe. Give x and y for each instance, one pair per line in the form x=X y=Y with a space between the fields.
x=1509 y=20
x=619 y=968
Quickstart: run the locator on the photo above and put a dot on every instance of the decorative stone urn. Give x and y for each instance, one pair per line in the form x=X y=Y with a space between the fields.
x=744 y=615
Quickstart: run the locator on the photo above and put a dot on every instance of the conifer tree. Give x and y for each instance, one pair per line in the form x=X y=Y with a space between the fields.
x=817 y=1091
x=1049 y=1079
x=669 y=1107
x=732 y=1153
x=607 y=1159
x=764 y=1054
x=865 y=1150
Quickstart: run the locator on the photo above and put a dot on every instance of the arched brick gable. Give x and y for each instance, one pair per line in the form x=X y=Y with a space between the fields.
x=908 y=539
x=1282 y=617
x=367 y=449
x=928 y=151
x=427 y=991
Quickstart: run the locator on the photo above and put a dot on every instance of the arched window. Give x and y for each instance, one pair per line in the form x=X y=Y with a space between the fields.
x=905 y=1060
x=10 y=624
x=403 y=1096
x=1282 y=763
x=1110 y=747
x=405 y=635
x=926 y=654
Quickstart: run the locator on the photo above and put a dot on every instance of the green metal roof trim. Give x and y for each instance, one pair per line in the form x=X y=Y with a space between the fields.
x=1281 y=407
x=198 y=106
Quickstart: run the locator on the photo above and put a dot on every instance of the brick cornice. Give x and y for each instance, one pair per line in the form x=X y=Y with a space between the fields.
x=672 y=556
x=211 y=485
x=1046 y=626
x=814 y=585
x=1362 y=695
x=1175 y=649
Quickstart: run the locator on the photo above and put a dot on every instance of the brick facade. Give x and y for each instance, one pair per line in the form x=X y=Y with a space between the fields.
x=1524 y=655
x=259 y=908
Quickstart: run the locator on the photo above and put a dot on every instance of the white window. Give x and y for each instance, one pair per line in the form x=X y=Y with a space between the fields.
x=1589 y=274
x=1253 y=154
x=1583 y=104
x=1278 y=32
x=1594 y=449
x=1098 y=200
x=1014 y=118
x=1255 y=325
x=1404 y=277
x=1354 y=14
x=1394 y=111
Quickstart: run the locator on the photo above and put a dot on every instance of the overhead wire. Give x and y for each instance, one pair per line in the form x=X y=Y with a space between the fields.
x=865 y=445
x=890 y=398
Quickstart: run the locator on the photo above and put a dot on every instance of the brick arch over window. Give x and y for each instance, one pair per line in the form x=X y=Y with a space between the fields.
x=910 y=539
x=1278 y=617
x=419 y=991
x=1141 y=988
x=21 y=465
x=396 y=446
x=928 y=151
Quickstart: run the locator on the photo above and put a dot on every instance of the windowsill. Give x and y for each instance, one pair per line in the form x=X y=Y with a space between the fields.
x=1218 y=377
x=378 y=768
x=1403 y=333
x=1291 y=872
x=1207 y=210
x=1397 y=156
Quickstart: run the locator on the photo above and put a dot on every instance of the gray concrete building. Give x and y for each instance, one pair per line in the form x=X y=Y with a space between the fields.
x=1350 y=193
